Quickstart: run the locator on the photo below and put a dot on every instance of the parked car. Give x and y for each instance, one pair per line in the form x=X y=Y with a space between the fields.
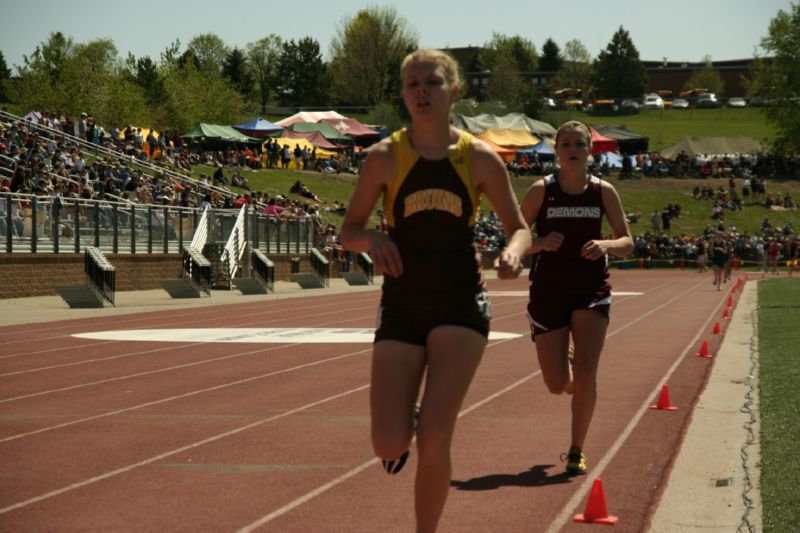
x=707 y=100
x=653 y=101
x=680 y=103
x=629 y=104
x=737 y=101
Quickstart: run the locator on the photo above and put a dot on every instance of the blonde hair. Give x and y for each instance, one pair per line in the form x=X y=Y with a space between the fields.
x=443 y=59
x=575 y=125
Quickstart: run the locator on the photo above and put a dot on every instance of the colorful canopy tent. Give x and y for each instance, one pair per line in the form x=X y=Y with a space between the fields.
x=478 y=124
x=218 y=133
x=712 y=146
x=308 y=116
x=510 y=137
x=258 y=128
x=628 y=142
x=314 y=137
x=350 y=127
x=506 y=154
x=544 y=148
x=601 y=143
x=303 y=143
x=330 y=133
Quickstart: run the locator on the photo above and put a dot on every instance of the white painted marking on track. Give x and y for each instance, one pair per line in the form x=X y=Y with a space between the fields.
x=253 y=335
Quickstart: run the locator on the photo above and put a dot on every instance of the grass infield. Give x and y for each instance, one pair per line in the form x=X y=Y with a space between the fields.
x=779 y=397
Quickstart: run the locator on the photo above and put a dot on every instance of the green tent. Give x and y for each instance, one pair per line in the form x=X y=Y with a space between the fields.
x=219 y=133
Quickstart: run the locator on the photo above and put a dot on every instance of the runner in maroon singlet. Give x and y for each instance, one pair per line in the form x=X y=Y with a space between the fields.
x=569 y=291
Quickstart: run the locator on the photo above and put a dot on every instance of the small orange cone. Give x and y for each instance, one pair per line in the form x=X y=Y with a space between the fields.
x=716 y=330
x=730 y=300
x=704 y=350
x=663 y=401
x=725 y=314
x=596 y=511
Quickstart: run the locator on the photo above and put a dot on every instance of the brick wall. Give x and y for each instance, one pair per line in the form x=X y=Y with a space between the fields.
x=27 y=275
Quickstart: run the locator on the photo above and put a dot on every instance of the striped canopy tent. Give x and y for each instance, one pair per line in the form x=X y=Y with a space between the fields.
x=314 y=137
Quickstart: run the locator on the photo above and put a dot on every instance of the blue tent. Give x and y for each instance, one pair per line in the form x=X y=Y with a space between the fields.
x=542 y=148
x=258 y=127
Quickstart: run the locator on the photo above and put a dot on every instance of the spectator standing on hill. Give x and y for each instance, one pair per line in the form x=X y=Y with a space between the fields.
x=570 y=293
x=655 y=219
x=435 y=312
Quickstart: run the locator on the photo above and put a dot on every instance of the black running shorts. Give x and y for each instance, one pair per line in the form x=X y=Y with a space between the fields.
x=550 y=308
x=413 y=323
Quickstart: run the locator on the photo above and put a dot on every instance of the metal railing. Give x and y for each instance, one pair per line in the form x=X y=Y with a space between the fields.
x=236 y=245
x=197 y=269
x=321 y=266
x=100 y=274
x=264 y=269
x=52 y=224
x=364 y=263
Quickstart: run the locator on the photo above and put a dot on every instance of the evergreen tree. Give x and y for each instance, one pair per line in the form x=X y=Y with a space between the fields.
x=235 y=70
x=551 y=57
x=5 y=79
x=301 y=73
x=617 y=72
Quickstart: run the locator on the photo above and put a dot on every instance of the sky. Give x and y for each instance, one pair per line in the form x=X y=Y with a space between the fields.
x=678 y=30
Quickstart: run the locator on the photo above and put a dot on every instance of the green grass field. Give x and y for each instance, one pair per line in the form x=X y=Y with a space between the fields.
x=667 y=126
x=638 y=196
x=779 y=406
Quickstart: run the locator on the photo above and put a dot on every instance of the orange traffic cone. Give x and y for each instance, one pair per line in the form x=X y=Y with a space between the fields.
x=725 y=314
x=704 y=350
x=663 y=401
x=730 y=300
x=716 y=330
x=596 y=511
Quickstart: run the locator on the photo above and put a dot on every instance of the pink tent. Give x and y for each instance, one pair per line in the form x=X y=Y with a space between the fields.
x=314 y=137
x=350 y=127
x=601 y=143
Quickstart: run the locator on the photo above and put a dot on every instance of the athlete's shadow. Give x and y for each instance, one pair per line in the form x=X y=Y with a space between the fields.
x=536 y=476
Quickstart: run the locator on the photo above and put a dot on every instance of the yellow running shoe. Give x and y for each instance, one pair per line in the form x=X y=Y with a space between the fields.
x=576 y=461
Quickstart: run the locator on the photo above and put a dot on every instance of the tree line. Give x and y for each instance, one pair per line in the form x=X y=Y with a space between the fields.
x=208 y=81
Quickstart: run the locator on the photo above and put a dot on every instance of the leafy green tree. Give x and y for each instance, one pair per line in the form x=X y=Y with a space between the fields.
x=235 y=70
x=366 y=53
x=262 y=61
x=707 y=77
x=551 y=57
x=576 y=68
x=777 y=79
x=501 y=47
x=210 y=52
x=505 y=83
x=301 y=79
x=617 y=72
x=195 y=96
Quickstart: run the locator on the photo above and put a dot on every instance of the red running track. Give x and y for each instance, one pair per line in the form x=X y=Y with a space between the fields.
x=110 y=435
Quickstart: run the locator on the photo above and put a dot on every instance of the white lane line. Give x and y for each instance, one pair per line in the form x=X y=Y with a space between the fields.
x=571 y=507
x=164 y=455
x=360 y=468
x=186 y=395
